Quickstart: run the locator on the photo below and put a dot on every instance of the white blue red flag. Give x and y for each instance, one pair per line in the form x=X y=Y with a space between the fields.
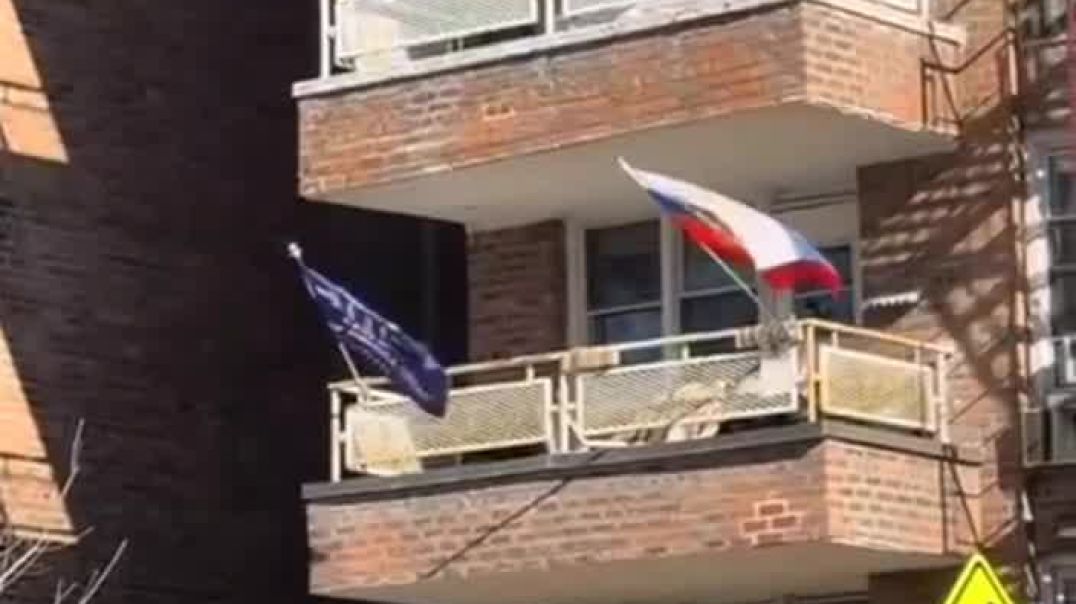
x=406 y=362
x=740 y=235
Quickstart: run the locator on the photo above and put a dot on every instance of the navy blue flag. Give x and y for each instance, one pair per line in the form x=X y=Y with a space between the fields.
x=403 y=360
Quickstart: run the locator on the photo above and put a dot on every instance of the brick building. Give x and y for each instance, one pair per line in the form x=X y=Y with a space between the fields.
x=920 y=143
x=146 y=190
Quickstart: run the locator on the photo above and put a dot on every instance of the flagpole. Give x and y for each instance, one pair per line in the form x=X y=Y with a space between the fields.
x=296 y=254
x=360 y=383
x=747 y=290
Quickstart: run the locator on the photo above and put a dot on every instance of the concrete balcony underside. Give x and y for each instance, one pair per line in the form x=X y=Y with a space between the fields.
x=794 y=510
x=750 y=101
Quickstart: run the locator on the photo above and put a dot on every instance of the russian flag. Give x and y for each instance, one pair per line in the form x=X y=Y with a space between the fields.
x=740 y=235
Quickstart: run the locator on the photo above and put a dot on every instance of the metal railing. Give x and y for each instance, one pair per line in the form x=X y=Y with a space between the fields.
x=660 y=390
x=380 y=36
x=371 y=35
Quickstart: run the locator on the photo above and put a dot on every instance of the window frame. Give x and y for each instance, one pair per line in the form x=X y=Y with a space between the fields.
x=1053 y=395
x=1054 y=571
x=849 y=288
x=1039 y=267
x=672 y=295
x=589 y=314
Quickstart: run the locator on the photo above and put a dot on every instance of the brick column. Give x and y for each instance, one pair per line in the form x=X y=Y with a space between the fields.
x=517 y=290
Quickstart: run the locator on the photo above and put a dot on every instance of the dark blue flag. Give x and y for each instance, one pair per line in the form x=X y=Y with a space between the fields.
x=403 y=360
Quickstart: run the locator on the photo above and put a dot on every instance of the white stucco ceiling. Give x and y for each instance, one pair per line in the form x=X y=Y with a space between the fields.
x=751 y=155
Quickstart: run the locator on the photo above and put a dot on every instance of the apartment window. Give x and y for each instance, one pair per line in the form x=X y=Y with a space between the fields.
x=1061 y=235
x=1063 y=440
x=1043 y=19
x=629 y=295
x=624 y=283
x=710 y=300
x=1060 y=583
x=1066 y=585
x=1052 y=270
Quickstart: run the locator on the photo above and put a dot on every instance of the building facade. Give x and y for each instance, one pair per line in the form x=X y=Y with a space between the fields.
x=146 y=193
x=922 y=144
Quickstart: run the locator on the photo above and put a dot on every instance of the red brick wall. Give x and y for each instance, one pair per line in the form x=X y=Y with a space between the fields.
x=792 y=53
x=843 y=58
x=982 y=75
x=833 y=491
x=146 y=186
x=517 y=290
x=890 y=500
x=944 y=226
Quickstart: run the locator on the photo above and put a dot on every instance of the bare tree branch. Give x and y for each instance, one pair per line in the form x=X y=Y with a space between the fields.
x=74 y=460
x=91 y=589
x=19 y=554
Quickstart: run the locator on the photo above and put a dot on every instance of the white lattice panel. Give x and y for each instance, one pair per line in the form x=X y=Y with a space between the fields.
x=371 y=26
x=870 y=387
x=481 y=418
x=690 y=391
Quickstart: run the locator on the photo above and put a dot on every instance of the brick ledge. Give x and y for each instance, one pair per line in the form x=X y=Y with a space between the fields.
x=543 y=44
x=661 y=457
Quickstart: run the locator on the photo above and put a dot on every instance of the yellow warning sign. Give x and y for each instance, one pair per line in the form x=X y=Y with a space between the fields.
x=978 y=584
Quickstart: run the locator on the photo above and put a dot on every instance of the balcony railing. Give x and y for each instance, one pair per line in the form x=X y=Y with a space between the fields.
x=372 y=36
x=661 y=390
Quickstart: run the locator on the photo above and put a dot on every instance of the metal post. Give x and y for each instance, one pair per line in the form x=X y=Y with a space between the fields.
x=325 y=40
x=364 y=390
x=813 y=381
x=563 y=416
x=560 y=403
x=762 y=308
x=335 y=405
x=550 y=17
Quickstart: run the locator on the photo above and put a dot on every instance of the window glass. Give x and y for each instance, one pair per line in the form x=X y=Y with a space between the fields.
x=1061 y=195
x=1061 y=232
x=1063 y=243
x=825 y=306
x=727 y=307
x=623 y=289
x=628 y=326
x=717 y=311
x=623 y=265
x=702 y=273
x=1063 y=302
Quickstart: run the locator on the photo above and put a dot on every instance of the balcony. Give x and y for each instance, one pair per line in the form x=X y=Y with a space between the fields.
x=421 y=114
x=708 y=459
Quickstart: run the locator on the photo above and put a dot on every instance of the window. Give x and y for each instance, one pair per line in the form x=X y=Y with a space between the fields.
x=1061 y=237
x=631 y=291
x=1042 y=19
x=624 y=283
x=1063 y=443
x=1052 y=273
x=1065 y=580
x=710 y=300
x=1059 y=582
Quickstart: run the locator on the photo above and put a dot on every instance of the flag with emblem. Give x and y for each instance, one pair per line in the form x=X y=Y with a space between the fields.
x=407 y=363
